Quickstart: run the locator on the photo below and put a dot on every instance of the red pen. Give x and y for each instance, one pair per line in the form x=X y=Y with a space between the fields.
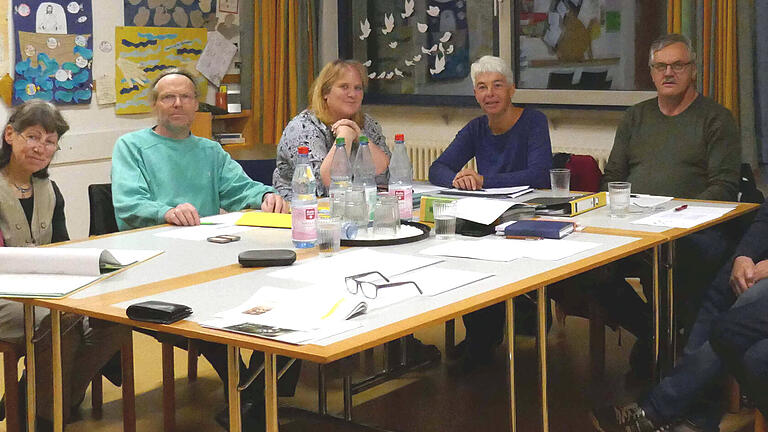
x=681 y=208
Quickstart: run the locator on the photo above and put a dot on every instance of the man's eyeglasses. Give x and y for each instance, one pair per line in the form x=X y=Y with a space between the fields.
x=35 y=140
x=676 y=66
x=170 y=98
x=371 y=289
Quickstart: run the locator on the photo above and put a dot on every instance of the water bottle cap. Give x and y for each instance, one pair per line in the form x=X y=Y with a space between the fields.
x=340 y=142
x=399 y=137
x=303 y=150
x=349 y=230
x=363 y=140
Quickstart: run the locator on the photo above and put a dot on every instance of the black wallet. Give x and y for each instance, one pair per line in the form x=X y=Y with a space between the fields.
x=158 y=312
x=266 y=257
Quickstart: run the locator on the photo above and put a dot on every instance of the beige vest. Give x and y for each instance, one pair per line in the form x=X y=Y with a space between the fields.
x=13 y=222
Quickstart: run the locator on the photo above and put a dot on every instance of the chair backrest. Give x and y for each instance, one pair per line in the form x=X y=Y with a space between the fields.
x=560 y=80
x=259 y=169
x=748 y=191
x=594 y=80
x=102 y=211
x=585 y=172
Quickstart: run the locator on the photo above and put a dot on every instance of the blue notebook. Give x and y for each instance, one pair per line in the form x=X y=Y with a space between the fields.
x=539 y=228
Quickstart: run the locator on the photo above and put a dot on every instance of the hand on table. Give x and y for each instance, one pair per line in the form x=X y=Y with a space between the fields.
x=468 y=179
x=274 y=203
x=743 y=274
x=183 y=214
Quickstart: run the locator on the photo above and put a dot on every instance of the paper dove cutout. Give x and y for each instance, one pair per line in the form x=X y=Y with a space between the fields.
x=390 y=75
x=381 y=75
x=393 y=45
x=446 y=37
x=408 y=63
x=433 y=11
x=367 y=64
x=439 y=64
x=365 y=28
x=422 y=27
x=372 y=75
x=408 y=9
x=429 y=51
x=398 y=72
x=389 y=23
x=449 y=50
x=417 y=58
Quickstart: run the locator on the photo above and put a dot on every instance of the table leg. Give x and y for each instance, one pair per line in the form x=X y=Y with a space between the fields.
x=322 y=391
x=450 y=337
x=169 y=392
x=347 y=395
x=58 y=409
x=671 y=347
x=542 y=304
x=129 y=390
x=233 y=372
x=270 y=391
x=29 y=337
x=511 y=359
x=655 y=306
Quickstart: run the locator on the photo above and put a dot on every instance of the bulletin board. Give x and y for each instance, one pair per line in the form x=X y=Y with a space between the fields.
x=142 y=53
x=171 y=13
x=54 y=51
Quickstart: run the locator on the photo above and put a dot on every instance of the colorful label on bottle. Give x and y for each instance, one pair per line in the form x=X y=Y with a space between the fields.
x=404 y=200
x=304 y=223
x=370 y=197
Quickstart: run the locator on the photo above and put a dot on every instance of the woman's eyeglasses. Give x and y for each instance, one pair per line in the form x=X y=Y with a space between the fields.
x=35 y=140
x=371 y=289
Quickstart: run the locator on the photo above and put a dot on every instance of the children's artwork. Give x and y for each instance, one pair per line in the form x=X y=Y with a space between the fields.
x=142 y=53
x=216 y=58
x=170 y=13
x=229 y=6
x=54 y=51
x=3 y=38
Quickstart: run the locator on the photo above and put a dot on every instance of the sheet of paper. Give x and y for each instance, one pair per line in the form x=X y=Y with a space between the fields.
x=352 y=262
x=491 y=191
x=41 y=285
x=436 y=280
x=201 y=232
x=264 y=219
x=63 y=261
x=505 y=250
x=426 y=188
x=648 y=201
x=283 y=335
x=688 y=218
x=223 y=219
x=216 y=57
x=105 y=90
x=481 y=210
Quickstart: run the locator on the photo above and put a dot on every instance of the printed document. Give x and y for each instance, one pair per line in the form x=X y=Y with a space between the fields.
x=504 y=250
x=688 y=217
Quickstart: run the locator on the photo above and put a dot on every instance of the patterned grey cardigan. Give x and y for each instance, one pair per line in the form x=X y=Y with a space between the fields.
x=307 y=130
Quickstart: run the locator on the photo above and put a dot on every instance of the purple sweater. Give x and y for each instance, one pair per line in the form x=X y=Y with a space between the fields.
x=520 y=156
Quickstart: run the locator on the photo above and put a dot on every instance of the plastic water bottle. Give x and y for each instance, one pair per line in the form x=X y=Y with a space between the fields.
x=304 y=203
x=341 y=171
x=401 y=178
x=365 y=174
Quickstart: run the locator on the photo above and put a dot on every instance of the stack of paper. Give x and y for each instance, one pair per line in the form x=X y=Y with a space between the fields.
x=688 y=217
x=57 y=272
x=504 y=250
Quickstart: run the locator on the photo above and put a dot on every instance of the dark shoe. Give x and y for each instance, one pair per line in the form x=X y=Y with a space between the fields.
x=627 y=418
x=417 y=353
x=113 y=370
x=251 y=415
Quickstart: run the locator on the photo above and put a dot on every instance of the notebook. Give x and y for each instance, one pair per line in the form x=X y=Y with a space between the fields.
x=539 y=228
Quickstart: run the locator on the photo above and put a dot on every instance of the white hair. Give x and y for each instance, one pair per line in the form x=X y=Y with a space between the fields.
x=489 y=63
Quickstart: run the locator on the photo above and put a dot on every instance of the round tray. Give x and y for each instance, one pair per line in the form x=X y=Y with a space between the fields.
x=424 y=234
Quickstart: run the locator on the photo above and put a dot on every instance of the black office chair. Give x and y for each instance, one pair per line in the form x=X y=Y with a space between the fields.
x=597 y=80
x=102 y=211
x=560 y=80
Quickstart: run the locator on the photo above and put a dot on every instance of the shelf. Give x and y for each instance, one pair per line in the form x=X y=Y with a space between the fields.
x=238 y=146
x=243 y=114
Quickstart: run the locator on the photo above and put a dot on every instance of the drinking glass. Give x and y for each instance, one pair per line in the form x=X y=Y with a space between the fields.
x=445 y=219
x=386 y=216
x=328 y=235
x=356 y=208
x=560 y=179
x=618 y=198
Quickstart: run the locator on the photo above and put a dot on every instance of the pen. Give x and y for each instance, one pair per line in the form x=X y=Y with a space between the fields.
x=681 y=208
x=209 y=223
x=524 y=237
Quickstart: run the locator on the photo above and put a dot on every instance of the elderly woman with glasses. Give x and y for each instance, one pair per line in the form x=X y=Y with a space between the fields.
x=32 y=214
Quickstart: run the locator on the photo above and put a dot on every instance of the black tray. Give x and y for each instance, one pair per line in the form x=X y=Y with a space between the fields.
x=391 y=242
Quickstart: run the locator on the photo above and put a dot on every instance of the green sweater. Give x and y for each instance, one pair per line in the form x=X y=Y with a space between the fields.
x=152 y=174
x=695 y=154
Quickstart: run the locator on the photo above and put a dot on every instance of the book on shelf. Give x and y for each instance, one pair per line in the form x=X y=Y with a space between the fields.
x=56 y=272
x=227 y=141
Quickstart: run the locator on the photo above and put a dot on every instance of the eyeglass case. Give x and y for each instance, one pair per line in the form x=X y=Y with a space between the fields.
x=158 y=312
x=266 y=257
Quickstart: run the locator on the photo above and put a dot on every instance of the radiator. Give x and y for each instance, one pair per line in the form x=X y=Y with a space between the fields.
x=422 y=157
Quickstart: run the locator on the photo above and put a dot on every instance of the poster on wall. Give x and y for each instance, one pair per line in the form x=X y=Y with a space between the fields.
x=170 y=13
x=54 y=51
x=142 y=53
x=4 y=39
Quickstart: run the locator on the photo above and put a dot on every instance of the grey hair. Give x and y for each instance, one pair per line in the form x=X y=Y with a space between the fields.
x=174 y=71
x=491 y=64
x=669 y=39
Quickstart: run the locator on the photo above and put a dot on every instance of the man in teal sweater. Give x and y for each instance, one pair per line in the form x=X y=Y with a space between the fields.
x=165 y=174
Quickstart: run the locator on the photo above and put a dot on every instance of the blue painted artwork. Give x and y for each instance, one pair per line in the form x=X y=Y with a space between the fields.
x=54 y=51
x=171 y=13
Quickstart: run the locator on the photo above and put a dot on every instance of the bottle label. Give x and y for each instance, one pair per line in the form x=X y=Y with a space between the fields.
x=370 y=197
x=404 y=200
x=304 y=223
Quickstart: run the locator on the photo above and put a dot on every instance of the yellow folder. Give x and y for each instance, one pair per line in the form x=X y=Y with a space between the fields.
x=262 y=219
